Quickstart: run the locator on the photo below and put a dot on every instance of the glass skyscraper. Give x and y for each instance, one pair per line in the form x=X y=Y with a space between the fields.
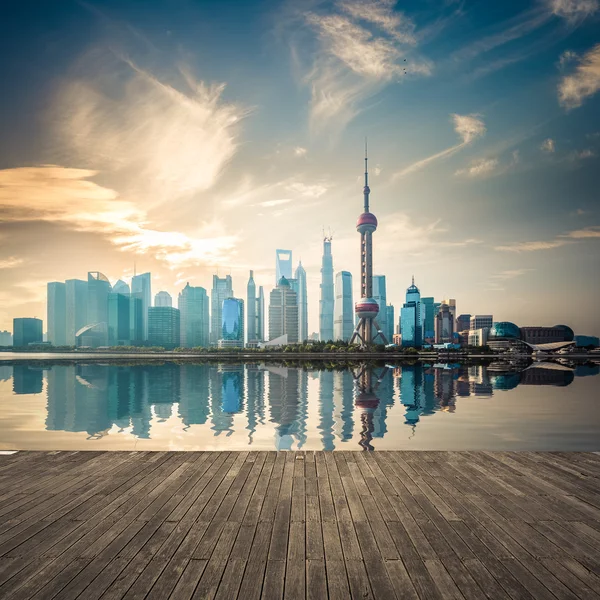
x=142 y=285
x=389 y=334
x=300 y=276
x=343 y=324
x=283 y=312
x=119 y=315
x=194 y=315
x=27 y=331
x=222 y=289
x=283 y=265
x=57 y=313
x=77 y=303
x=327 y=293
x=163 y=299
x=164 y=326
x=251 y=307
x=380 y=295
x=232 y=323
x=411 y=318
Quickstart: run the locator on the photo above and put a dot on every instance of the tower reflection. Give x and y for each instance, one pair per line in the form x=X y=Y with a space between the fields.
x=284 y=407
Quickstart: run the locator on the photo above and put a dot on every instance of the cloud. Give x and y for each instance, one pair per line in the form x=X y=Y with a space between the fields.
x=566 y=58
x=270 y=203
x=573 y=10
x=309 y=191
x=510 y=274
x=479 y=167
x=548 y=146
x=587 y=232
x=363 y=45
x=468 y=127
x=579 y=212
x=10 y=262
x=163 y=140
x=575 y=88
x=299 y=151
x=65 y=195
x=531 y=246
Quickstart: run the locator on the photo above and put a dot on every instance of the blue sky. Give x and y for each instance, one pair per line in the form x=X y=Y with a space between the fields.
x=196 y=137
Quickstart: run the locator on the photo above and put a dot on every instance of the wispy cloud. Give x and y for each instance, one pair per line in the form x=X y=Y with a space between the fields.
x=10 y=262
x=510 y=274
x=479 y=167
x=548 y=146
x=531 y=246
x=584 y=82
x=309 y=190
x=587 y=232
x=271 y=203
x=574 y=10
x=363 y=46
x=63 y=195
x=299 y=151
x=162 y=140
x=468 y=127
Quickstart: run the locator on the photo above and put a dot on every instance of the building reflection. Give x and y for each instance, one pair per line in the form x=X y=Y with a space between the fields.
x=344 y=406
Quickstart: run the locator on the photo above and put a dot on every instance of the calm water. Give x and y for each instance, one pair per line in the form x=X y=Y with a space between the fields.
x=193 y=406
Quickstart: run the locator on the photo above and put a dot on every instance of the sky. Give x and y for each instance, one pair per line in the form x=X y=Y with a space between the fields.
x=189 y=138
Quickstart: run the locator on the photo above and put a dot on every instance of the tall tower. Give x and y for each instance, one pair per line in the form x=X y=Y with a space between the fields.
x=300 y=276
x=327 y=293
x=251 y=309
x=366 y=308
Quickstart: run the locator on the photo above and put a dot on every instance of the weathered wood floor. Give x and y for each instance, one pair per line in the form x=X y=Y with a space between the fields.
x=412 y=525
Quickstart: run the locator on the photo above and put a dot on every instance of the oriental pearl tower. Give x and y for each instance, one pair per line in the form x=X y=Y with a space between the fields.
x=366 y=309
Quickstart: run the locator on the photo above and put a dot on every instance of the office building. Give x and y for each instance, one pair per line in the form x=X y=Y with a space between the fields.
x=444 y=325
x=136 y=319
x=77 y=308
x=463 y=322
x=27 y=331
x=221 y=290
x=142 y=286
x=98 y=288
x=451 y=302
x=119 y=315
x=283 y=265
x=6 y=338
x=343 y=324
x=411 y=318
x=480 y=321
x=547 y=335
x=430 y=308
x=57 y=313
x=380 y=296
x=260 y=314
x=390 y=319
x=251 y=306
x=194 y=316
x=232 y=323
x=327 y=293
x=478 y=337
x=121 y=288
x=283 y=312
x=163 y=299
x=300 y=277
x=164 y=326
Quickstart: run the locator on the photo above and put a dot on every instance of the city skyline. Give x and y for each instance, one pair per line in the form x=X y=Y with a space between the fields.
x=484 y=155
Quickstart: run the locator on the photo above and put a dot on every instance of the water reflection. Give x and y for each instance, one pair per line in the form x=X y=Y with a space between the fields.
x=293 y=406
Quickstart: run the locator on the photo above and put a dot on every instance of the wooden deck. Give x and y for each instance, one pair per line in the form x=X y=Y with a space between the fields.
x=410 y=525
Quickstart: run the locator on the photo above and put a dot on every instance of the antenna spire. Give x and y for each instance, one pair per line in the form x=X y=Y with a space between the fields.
x=366 y=190
x=413 y=280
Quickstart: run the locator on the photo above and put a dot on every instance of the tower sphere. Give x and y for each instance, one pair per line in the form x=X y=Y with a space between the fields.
x=366 y=308
x=366 y=222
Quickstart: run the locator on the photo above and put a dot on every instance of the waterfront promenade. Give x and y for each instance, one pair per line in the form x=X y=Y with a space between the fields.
x=414 y=525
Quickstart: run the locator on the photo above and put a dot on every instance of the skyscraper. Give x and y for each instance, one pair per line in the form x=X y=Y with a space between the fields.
x=463 y=322
x=142 y=285
x=27 y=331
x=444 y=325
x=430 y=310
x=121 y=287
x=283 y=265
x=451 y=302
x=194 y=316
x=222 y=289
x=98 y=289
x=380 y=296
x=343 y=324
x=389 y=334
x=164 y=326
x=260 y=315
x=251 y=312
x=283 y=312
x=300 y=276
x=411 y=317
x=77 y=308
x=163 y=299
x=327 y=293
x=57 y=313
x=367 y=308
x=119 y=315
x=232 y=324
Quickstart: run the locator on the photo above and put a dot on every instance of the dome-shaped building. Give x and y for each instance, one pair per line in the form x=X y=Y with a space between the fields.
x=505 y=335
x=569 y=334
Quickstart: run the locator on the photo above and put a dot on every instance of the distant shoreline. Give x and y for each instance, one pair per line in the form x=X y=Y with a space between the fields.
x=283 y=356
